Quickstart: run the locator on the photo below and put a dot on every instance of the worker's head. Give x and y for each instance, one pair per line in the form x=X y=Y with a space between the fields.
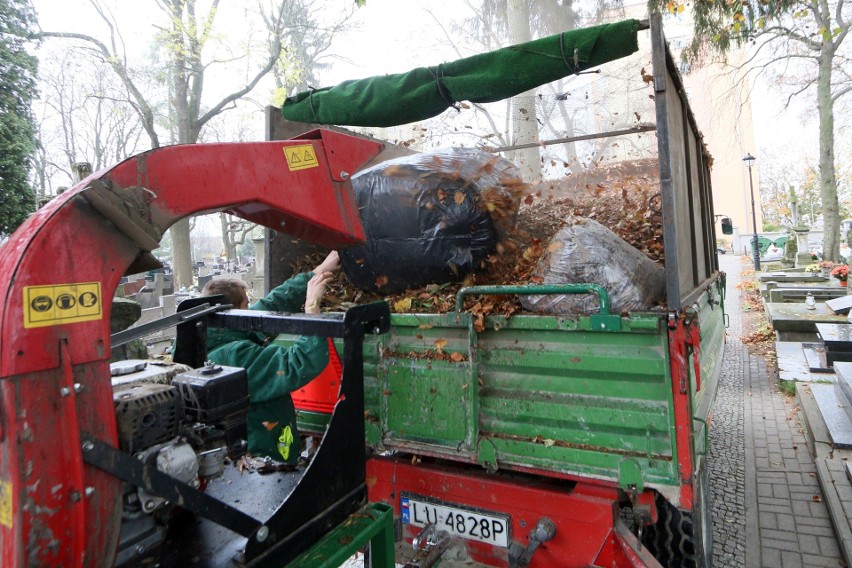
x=234 y=290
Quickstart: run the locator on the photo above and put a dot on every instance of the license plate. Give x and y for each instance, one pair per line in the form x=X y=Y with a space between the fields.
x=472 y=524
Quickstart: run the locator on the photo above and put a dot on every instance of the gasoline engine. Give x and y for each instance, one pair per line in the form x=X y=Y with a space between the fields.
x=185 y=427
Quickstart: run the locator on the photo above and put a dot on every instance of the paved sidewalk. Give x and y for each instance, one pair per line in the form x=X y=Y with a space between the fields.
x=768 y=507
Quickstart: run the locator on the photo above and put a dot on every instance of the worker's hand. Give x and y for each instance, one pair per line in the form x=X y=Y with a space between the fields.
x=316 y=290
x=330 y=264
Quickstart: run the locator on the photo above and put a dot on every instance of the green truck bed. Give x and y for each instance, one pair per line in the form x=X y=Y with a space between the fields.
x=555 y=394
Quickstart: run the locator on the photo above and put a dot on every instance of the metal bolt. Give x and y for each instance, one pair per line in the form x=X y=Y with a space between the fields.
x=65 y=391
x=262 y=533
x=140 y=549
x=89 y=491
x=376 y=330
x=78 y=387
x=344 y=175
x=88 y=446
x=75 y=496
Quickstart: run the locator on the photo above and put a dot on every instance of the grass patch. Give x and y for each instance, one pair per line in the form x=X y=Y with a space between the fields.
x=787 y=387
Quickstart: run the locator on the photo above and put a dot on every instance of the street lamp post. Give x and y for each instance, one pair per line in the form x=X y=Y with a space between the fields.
x=755 y=250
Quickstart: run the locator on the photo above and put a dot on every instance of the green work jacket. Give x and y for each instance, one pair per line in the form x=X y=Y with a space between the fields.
x=273 y=372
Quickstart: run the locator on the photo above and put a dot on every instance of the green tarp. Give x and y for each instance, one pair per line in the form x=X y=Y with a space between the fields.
x=389 y=100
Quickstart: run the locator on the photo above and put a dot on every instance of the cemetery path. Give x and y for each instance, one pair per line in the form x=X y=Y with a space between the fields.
x=768 y=508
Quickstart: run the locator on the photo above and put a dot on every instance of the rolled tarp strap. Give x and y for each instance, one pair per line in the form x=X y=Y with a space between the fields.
x=596 y=289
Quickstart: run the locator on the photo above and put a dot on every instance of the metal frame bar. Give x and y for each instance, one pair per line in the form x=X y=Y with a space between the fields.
x=372 y=524
x=127 y=468
x=334 y=485
x=193 y=314
x=633 y=130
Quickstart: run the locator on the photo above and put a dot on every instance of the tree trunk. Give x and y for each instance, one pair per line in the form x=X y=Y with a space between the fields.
x=827 y=177
x=181 y=241
x=181 y=254
x=523 y=112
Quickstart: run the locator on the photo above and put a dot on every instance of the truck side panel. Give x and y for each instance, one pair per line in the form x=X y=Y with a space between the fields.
x=530 y=391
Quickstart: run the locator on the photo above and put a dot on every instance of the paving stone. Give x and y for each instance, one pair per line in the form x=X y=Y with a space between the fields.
x=809 y=544
x=828 y=546
x=791 y=560
x=778 y=544
x=823 y=562
x=804 y=529
x=768 y=520
x=770 y=556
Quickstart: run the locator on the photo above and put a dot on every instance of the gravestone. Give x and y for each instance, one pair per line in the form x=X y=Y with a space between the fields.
x=837 y=338
x=840 y=305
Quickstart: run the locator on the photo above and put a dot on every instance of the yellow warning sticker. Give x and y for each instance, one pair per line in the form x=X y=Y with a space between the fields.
x=6 y=504
x=301 y=157
x=61 y=304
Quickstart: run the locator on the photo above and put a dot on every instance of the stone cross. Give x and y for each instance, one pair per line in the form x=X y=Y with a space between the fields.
x=794 y=207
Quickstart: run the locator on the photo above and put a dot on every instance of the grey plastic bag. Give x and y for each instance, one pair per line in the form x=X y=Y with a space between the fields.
x=586 y=252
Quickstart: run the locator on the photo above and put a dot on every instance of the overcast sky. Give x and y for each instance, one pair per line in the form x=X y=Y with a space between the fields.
x=394 y=36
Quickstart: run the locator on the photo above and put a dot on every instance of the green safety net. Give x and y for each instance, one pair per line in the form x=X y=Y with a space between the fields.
x=389 y=100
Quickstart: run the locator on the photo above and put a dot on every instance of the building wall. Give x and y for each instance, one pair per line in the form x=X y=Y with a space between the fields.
x=719 y=99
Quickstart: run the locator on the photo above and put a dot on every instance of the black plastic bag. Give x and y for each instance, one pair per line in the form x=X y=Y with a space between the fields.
x=431 y=217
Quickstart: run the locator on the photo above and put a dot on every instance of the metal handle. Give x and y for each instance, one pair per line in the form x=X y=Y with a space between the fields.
x=598 y=290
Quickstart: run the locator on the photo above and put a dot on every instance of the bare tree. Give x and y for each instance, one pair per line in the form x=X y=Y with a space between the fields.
x=499 y=23
x=234 y=233
x=802 y=40
x=84 y=116
x=184 y=40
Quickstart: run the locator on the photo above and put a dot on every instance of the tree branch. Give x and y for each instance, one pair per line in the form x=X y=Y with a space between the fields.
x=144 y=108
x=274 y=56
x=841 y=93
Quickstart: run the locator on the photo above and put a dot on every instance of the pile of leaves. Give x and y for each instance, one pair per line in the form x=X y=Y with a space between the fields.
x=751 y=299
x=624 y=198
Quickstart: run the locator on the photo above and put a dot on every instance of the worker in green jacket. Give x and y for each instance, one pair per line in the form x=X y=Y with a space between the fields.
x=273 y=371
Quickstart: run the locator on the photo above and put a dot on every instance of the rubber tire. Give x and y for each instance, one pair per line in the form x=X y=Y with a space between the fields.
x=683 y=538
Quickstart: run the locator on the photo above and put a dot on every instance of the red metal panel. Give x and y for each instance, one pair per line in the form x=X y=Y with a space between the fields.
x=584 y=514
x=682 y=410
x=58 y=274
x=255 y=181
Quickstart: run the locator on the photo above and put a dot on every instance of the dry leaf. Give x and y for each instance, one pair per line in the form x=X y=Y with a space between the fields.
x=395 y=170
x=459 y=197
x=456 y=356
x=270 y=425
x=402 y=305
x=548 y=443
x=381 y=281
x=440 y=344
